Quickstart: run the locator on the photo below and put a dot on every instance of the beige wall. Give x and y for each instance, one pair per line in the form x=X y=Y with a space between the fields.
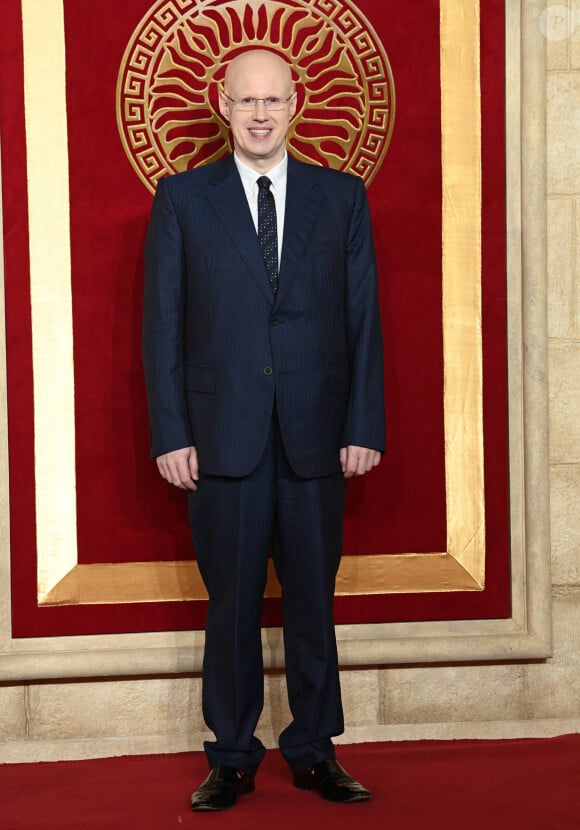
x=91 y=718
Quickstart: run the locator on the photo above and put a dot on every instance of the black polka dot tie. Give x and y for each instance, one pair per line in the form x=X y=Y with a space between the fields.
x=268 y=230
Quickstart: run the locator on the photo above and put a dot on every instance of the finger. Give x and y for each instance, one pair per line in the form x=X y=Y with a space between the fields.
x=163 y=470
x=342 y=457
x=182 y=477
x=175 y=468
x=173 y=473
x=352 y=461
x=361 y=462
x=371 y=459
x=193 y=464
x=170 y=470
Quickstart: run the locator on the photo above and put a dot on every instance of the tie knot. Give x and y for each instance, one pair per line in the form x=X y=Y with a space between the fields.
x=264 y=183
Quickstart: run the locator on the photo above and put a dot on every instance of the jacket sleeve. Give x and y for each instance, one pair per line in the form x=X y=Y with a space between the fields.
x=163 y=327
x=365 y=420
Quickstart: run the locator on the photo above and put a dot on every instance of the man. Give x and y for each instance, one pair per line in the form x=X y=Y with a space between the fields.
x=263 y=363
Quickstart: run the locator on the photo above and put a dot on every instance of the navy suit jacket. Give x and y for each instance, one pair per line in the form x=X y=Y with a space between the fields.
x=220 y=351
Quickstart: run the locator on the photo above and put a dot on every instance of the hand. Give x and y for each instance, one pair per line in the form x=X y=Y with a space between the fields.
x=356 y=461
x=180 y=468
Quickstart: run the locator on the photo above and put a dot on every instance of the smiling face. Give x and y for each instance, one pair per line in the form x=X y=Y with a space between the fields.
x=259 y=136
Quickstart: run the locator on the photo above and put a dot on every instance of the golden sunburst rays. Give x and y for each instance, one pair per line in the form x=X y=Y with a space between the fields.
x=188 y=129
x=333 y=110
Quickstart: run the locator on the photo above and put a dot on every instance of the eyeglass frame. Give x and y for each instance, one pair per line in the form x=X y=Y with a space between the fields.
x=236 y=102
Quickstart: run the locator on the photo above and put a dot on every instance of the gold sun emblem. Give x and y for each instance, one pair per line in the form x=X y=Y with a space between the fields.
x=169 y=123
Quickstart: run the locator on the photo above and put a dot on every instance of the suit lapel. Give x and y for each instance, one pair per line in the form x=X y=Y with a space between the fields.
x=228 y=199
x=302 y=206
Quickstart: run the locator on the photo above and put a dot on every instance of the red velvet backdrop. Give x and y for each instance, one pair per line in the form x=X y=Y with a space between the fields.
x=124 y=511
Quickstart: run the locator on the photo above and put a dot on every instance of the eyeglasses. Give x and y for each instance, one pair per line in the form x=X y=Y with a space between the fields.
x=250 y=104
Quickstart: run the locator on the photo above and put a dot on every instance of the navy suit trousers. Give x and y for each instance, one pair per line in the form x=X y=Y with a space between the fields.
x=234 y=524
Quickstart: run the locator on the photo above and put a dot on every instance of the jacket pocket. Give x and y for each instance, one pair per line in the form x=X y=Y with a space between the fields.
x=200 y=378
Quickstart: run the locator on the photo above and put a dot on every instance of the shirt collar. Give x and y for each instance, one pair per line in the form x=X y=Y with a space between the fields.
x=277 y=174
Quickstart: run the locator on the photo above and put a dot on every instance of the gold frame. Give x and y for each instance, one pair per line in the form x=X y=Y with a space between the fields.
x=61 y=580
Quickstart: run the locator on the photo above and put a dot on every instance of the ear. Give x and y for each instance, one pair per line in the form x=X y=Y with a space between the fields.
x=293 y=105
x=224 y=106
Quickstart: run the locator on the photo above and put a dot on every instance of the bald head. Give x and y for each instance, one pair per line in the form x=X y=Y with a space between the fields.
x=258 y=66
x=259 y=102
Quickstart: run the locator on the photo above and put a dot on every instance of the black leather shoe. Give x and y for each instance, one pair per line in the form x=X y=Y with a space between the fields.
x=221 y=788
x=332 y=782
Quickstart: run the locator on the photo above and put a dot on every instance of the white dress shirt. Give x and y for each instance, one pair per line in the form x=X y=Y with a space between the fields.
x=278 y=176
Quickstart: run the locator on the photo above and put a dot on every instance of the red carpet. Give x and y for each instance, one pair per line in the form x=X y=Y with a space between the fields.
x=438 y=785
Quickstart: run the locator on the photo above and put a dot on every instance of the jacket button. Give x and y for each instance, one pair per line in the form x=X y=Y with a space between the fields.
x=274 y=321
x=268 y=370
